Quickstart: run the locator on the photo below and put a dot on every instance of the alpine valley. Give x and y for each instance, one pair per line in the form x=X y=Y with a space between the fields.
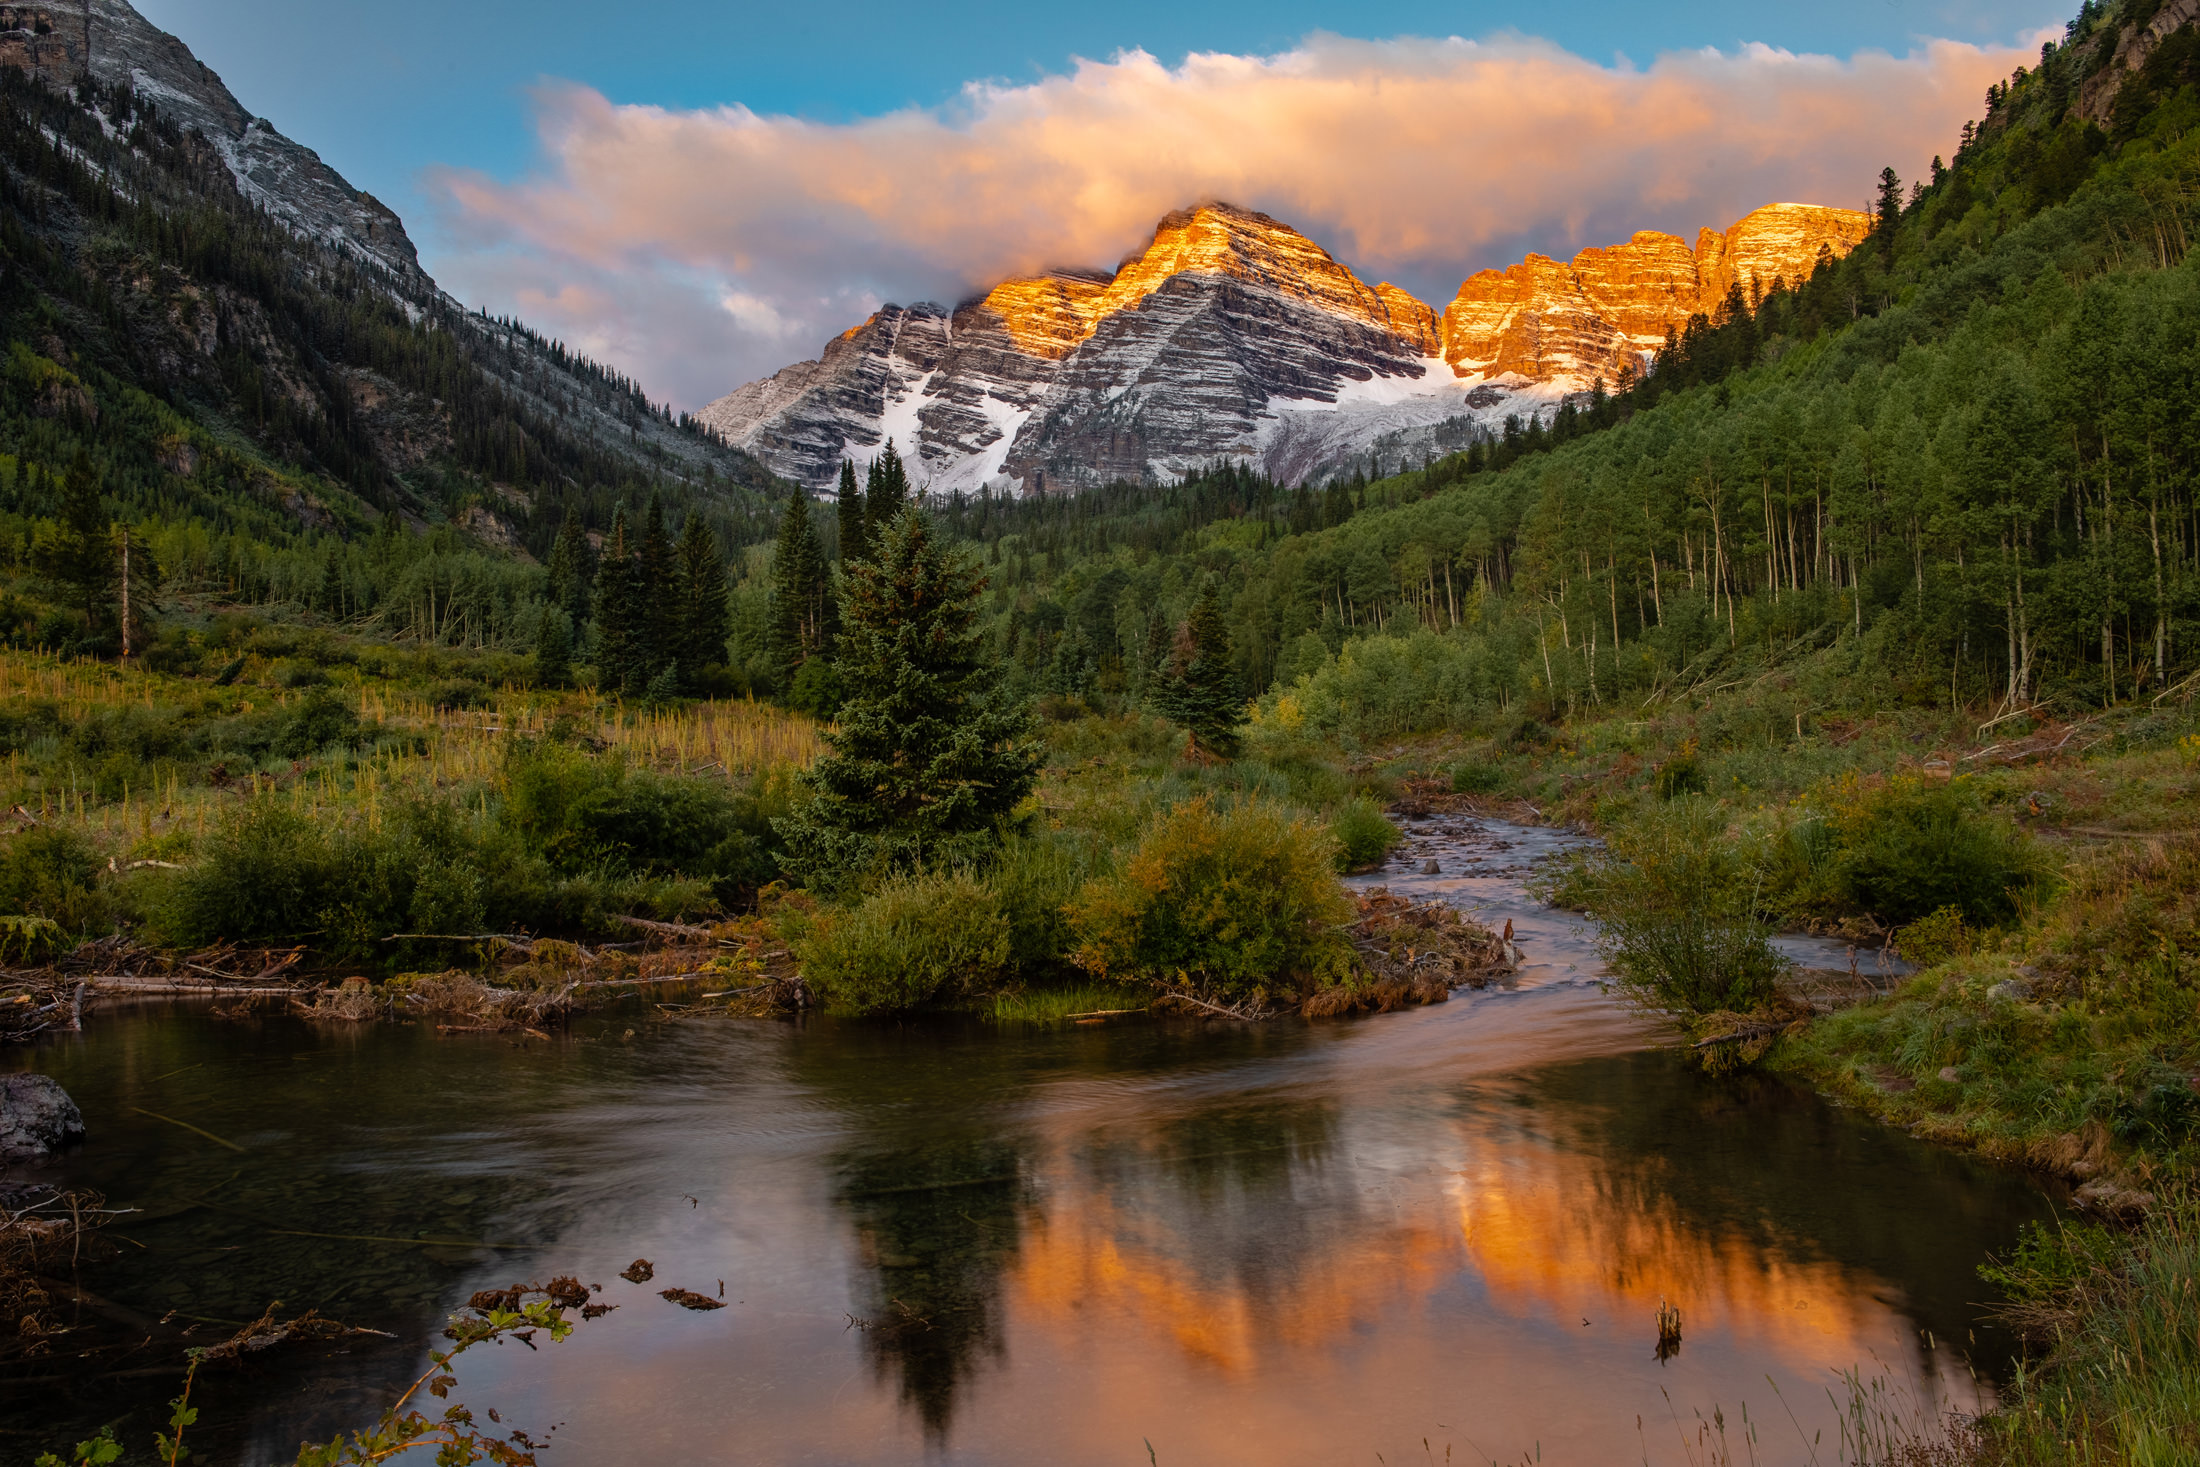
x=1232 y=336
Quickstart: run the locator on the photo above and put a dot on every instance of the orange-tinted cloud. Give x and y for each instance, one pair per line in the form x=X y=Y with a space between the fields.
x=719 y=244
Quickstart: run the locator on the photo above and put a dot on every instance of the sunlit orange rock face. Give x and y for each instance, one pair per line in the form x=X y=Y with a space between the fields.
x=1597 y=314
x=1049 y=315
x=1218 y=239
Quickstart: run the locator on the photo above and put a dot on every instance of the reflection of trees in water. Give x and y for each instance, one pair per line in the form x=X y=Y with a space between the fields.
x=936 y=1226
x=344 y=1132
x=934 y=1179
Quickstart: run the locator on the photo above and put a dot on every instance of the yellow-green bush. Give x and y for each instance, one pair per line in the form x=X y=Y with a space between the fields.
x=1364 y=834
x=916 y=940
x=1243 y=903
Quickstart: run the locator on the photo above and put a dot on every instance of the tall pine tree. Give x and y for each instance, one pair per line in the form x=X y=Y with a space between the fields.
x=83 y=558
x=655 y=565
x=1198 y=688
x=852 y=530
x=930 y=755
x=887 y=492
x=706 y=614
x=1890 y=205
x=553 y=647
x=570 y=570
x=620 y=663
x=801 y=591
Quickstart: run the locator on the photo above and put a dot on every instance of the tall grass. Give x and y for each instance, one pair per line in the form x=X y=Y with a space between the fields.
x=1059 y=1005
x=146 y=771
x=2121 y=1386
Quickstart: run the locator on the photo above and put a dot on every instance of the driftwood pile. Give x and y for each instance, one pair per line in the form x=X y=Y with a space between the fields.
x=529 y=985
x=1413 y=953
x=516 y=982
x=31 y=1003
x=44 y=1234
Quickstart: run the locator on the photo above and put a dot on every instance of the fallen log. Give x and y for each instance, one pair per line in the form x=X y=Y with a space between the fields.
x=668 y=929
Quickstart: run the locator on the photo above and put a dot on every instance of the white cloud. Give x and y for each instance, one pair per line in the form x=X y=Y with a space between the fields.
x=704 y=248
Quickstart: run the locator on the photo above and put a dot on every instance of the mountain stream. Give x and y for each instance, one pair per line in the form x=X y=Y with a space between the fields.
x=1434 y=1236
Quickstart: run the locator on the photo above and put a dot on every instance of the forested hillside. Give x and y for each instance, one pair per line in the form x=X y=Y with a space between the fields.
x=278 y=421
x=1956 y=465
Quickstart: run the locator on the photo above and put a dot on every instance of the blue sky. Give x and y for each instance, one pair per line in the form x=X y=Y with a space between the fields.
x=404 y=100
x=383 y=91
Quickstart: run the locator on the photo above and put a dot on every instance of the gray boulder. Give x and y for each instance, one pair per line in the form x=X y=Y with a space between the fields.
x=37 y=1117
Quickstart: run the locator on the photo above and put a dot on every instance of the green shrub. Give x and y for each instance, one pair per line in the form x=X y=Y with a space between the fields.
x=2049 y=1263
x=321 y=718
x=1677 y=904
x=1364 y=835
x=1477 y=777
x=586 y=814
x=1934 y=938
x=266 y=872
x=54 y=874
x=816 y=689
x=1910 y=847
x=1243 y=903
x=1039 y=875
x=919 y=939
x=1680 y=774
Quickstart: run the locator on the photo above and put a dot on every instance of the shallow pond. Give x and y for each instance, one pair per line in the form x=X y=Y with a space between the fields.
x=1170 y=1242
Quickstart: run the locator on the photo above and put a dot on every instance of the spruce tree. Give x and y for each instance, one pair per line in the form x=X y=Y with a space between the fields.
x=618 y=613
x=706 y=613
x=1198 y=689
x=655 y=566
x=570 y=569
x=1890 y=204
x=83 y=559
x=930 y=756
x=852 y=532
x=553 y=648
x=888 y=492
x=801 y=594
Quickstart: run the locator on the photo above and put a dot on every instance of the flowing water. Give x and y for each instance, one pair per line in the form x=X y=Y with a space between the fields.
x=1441 y=1235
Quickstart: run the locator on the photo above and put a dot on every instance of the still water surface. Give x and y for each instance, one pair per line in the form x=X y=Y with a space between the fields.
x=948 y=1242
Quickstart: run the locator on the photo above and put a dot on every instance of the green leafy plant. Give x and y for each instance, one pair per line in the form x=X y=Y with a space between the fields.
x=98 y=1452
x=1364 y=834
x=1242 y=903
x=918 y=939
x=28 y=939
x=1911 y=847
x=1037 y=877
x=453 y=1433
x=1934 y=938
x=1676 y=901
x=1680 y=774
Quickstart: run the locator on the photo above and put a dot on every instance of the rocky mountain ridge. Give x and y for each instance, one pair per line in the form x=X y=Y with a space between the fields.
x=1232 y=335
x=292 y=184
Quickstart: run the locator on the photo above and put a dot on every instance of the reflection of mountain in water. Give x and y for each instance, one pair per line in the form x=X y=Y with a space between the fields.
x=1241 y=1234
x=1636 y=1179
